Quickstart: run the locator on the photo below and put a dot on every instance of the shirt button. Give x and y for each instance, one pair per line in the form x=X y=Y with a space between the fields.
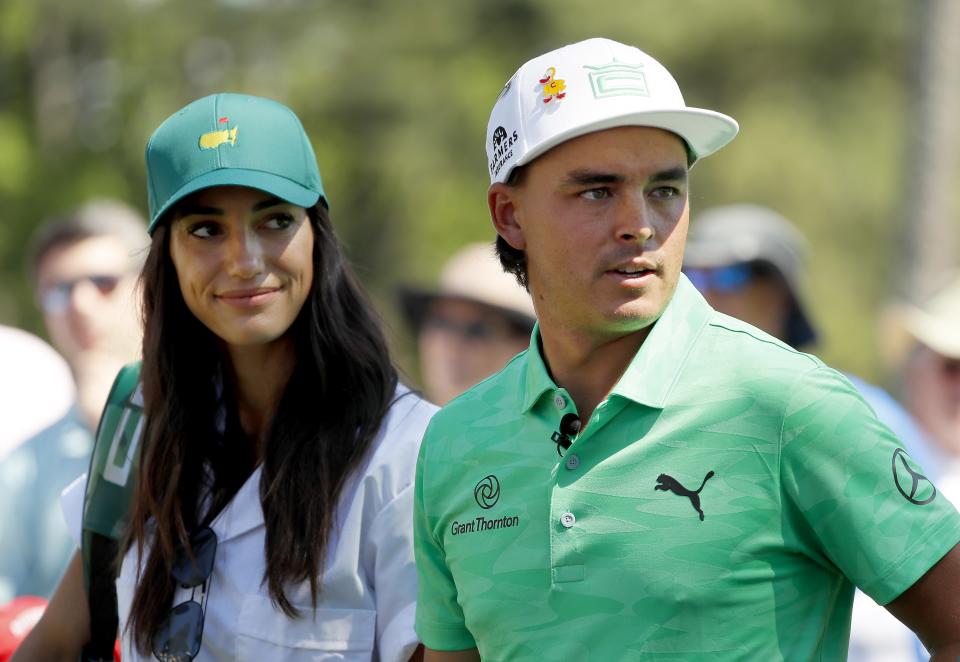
x=567 y=520
x=573 y=461
x=560 y=401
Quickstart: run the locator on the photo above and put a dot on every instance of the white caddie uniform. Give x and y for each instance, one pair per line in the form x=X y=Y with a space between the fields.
x=367 y=599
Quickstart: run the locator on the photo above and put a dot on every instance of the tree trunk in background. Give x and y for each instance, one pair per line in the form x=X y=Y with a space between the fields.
x=929 y=210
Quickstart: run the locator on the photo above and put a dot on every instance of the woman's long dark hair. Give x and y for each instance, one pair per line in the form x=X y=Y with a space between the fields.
x=331 y=409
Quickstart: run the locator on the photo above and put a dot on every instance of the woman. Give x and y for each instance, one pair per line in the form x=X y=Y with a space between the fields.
x=273 y=508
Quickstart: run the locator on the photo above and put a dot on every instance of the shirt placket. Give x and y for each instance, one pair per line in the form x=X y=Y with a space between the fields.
x=570 y=513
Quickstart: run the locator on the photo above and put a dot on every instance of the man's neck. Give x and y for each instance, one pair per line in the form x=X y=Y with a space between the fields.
x=586 y=367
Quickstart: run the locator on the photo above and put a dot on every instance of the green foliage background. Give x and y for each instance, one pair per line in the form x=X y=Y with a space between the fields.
x=396 y=97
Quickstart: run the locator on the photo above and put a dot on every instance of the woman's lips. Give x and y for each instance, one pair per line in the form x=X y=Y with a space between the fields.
x=249 y=298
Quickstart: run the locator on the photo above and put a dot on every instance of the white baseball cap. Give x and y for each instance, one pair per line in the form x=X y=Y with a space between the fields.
x=590 y=86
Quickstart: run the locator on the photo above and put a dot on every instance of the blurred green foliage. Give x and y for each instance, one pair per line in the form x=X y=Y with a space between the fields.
x=396 y=97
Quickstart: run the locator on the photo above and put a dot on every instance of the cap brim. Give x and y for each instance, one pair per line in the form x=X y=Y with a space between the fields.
x=940 y=336
x=281 y=187
x=705 y=131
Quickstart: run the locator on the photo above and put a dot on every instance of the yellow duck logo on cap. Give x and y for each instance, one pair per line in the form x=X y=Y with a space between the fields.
x=552 y=87
x=214 y=139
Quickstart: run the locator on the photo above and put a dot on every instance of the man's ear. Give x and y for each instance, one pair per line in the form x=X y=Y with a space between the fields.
x=502 y=200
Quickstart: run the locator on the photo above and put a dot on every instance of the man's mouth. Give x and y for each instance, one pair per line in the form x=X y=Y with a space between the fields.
x=634 y=271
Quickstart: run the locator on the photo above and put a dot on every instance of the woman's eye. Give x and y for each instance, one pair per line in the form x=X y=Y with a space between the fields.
x=279 y=222
x=204 y=229
x=596 y=194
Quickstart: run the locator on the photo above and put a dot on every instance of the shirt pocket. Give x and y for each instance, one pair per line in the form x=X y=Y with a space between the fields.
x=265 y=633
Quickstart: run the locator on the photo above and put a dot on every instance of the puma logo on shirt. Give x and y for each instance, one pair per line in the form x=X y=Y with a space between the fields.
x=665 y=482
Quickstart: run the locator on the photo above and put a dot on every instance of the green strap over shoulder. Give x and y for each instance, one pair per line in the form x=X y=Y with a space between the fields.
x=109 y=492
x=110 y=479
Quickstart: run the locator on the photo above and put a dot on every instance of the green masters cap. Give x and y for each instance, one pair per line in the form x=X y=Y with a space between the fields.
x=231 y=139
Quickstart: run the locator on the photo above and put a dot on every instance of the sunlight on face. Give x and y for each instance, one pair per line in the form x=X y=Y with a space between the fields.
x=603 y=220
x=244 y=261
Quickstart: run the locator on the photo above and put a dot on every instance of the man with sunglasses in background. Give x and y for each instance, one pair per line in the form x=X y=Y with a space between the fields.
x=84 y=267
x=470 y=325
x=749 y=262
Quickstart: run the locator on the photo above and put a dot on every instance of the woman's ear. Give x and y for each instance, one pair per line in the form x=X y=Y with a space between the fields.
x=502 y=200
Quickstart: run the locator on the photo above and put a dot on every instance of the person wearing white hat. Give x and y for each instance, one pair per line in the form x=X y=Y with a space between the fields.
x=652 y=479
x=931 y=371
x=470 y=325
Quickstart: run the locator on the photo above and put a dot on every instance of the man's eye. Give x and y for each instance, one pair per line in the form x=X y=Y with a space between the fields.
x=665 y=192
x=596 y=194
x=204 y=229
x=279 y=222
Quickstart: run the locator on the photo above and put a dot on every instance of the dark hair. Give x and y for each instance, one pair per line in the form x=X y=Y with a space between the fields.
x=331 y=409
x=97 y=218
x=513 y=260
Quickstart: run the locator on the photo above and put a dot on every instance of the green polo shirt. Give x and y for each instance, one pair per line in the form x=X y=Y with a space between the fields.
x=603 y=554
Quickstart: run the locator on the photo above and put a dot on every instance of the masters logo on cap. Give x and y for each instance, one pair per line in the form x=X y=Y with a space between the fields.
x=200 y=146
x=214 y=139
x=590 y=86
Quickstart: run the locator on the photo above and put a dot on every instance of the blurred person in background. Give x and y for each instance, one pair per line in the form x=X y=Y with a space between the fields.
x=36 y=388
x=470 y=325
x=930 y=377
x=84 y=266
x=748 y=262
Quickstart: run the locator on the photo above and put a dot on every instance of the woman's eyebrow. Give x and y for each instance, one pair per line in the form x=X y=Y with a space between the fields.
x=195 y=209
x=199 y=210
x=269 y=202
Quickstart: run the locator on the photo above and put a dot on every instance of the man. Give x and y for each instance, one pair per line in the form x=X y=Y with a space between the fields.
x=84 y=266
x=467 y=328
x=652 y=479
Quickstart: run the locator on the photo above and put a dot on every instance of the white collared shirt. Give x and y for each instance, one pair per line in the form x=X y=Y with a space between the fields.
x=367 y=599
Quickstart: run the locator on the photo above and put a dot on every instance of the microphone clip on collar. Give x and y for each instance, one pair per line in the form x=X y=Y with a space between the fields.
x=569 y=427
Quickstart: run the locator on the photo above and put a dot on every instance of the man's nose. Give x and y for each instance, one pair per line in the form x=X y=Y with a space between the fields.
x=85 y=297
x=633 y=220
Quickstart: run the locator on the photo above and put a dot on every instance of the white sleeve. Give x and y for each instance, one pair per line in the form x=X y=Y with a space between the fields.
x=395 y=578
x=71 y=505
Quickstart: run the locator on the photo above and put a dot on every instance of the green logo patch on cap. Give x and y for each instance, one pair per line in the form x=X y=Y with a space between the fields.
x=618 y=79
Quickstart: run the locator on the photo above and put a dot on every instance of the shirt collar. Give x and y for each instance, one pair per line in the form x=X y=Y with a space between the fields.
x=243 y=513
x=653 y=371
